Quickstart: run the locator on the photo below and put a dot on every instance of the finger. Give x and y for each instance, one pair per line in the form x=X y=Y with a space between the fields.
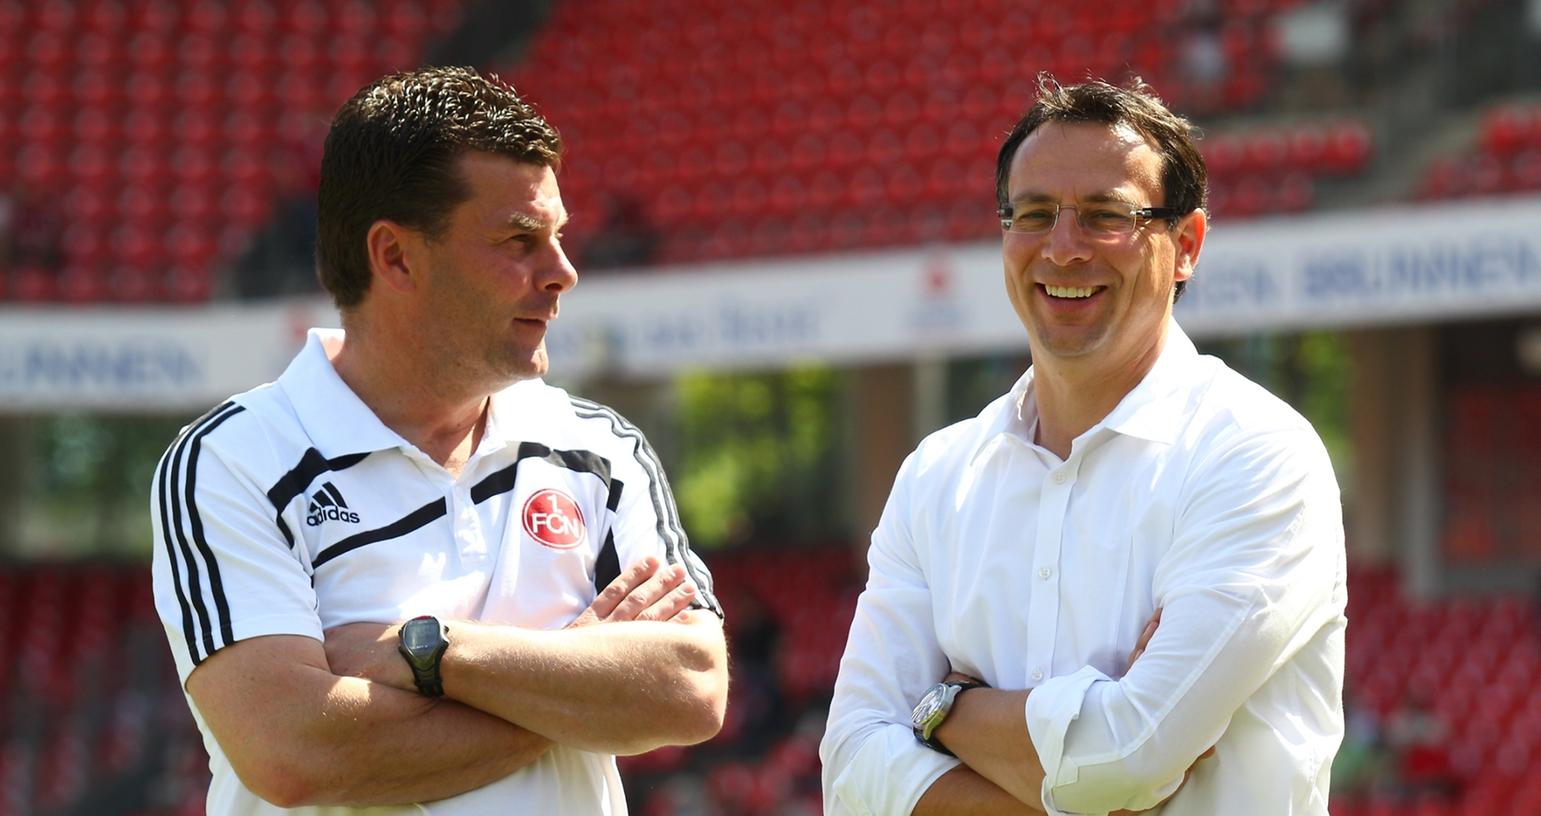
x=618 y=590
x=672 y=603
x=648 y=593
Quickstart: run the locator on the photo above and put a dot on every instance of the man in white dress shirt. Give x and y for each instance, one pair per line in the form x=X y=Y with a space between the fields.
x=1125 y=485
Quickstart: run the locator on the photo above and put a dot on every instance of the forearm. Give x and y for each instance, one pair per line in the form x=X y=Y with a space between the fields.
x=619 y=688
x=296 y=734
x=963 y=792
x=987 y=729
x=365 y=729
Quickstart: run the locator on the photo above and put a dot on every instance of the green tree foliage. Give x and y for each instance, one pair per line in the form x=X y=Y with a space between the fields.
x=756 y=456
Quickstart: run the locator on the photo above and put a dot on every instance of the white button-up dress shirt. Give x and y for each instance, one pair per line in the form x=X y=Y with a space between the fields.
x=1201 y=494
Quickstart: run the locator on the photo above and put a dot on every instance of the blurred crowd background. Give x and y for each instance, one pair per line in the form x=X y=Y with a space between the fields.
x=738 y=168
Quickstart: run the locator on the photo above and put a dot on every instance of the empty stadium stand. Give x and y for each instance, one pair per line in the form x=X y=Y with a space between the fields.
x=163 y=134
x=1503 y=158
x=749 y=129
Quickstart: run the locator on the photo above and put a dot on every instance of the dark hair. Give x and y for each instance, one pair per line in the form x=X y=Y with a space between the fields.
x=392 y=153
x=1184 y=177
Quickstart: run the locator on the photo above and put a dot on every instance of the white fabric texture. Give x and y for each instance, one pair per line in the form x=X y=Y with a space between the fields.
x=1201 y=494
x=292 y=509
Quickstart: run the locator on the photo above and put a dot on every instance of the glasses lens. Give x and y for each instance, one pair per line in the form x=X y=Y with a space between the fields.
x=1107 y=221
x=1034 y=219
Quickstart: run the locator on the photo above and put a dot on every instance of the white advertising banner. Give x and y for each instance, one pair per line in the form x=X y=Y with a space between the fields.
x=1388 y=266
x=1396 y=265
x=137 y=360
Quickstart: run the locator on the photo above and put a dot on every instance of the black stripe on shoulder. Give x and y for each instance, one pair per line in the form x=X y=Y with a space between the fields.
x=293 y=484
x=503 y=480
x=607 y=566
x=429 y=512
x=670 y=531
x=186 y=448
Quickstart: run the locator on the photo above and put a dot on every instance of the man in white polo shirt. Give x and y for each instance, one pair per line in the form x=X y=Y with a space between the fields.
x=408 y=576
x=1125 y=484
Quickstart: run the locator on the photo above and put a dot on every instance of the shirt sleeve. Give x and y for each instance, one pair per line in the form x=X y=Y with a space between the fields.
x=872 y=761
x=221 y=570
x=647 y=522
x=1249 y=579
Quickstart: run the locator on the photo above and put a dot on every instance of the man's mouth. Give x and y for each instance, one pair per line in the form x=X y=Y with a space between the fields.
x=1070 y=292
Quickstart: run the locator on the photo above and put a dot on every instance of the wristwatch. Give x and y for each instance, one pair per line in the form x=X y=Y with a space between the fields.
x=932 y=710
x=423 y=641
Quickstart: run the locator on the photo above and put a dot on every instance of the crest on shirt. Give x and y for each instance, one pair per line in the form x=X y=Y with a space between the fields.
x=553 y=518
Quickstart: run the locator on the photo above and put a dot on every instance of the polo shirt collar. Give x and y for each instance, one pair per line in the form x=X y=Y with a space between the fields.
x=514 y=410
x=336 y=420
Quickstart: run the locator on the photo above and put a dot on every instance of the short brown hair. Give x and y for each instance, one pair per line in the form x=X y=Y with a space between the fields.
x=392 y=154
x=1184 y=177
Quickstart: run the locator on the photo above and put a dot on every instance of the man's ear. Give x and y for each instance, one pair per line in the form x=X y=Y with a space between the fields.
x=391 y=254
x=1191 y=232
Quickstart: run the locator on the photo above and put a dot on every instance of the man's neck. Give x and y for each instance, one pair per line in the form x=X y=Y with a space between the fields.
x=413 y=397
x=1074 y=394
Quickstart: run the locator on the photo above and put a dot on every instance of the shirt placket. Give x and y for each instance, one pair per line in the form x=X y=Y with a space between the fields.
x=1044 y=603
x=470 y=543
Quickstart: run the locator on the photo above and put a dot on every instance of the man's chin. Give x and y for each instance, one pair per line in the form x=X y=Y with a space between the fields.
x=527 y=368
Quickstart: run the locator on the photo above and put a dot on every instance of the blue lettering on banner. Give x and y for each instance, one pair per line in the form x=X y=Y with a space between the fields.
x=672 y=333
x=128 y=367
x=789 y=324
x=1492 y=266
x=1237 y=284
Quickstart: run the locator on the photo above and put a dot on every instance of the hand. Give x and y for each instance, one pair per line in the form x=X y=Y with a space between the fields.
x=368 y=650
x=956 y=677
x=642 y=592
x=1145 y=636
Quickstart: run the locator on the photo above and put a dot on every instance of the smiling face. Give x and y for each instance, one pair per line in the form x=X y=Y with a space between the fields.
x=1085 y=299
x=495 y=274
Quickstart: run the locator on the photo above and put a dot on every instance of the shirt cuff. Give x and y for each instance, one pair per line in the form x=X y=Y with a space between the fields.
x=889 y=774
x=1051 y=707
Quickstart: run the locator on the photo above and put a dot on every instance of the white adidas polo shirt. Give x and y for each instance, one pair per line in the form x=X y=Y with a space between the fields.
x=291 y=509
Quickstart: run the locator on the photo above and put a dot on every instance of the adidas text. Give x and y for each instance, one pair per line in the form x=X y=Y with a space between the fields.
x=320 y=514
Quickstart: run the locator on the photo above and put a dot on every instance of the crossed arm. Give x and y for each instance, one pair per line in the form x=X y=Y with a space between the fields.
x=304 y=723
x=1001 y=772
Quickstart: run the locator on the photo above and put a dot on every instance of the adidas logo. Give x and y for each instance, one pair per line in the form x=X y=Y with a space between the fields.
x=327 y=505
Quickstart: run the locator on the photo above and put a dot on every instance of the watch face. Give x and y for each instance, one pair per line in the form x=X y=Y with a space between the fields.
x=420 y=635
x=927 y=708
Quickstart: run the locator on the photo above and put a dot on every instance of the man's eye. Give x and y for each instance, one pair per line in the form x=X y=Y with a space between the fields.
x=1033 y=219
x=1107 y=219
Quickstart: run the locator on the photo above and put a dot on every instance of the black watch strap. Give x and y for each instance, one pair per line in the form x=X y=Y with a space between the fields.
x=429 y=683
x=935 y=744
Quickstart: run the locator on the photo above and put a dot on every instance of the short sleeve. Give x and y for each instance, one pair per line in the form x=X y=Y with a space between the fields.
x=647 y=522
x=222 y=571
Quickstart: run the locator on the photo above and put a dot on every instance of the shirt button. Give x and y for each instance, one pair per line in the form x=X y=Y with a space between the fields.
x=1059 y=478
x=1044 y=573
x=1037 y=674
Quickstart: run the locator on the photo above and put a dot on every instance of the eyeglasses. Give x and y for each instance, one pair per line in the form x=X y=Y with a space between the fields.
x=1110 y=220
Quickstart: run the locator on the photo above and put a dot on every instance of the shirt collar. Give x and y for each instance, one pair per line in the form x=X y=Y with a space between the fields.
x=520 y=406
x=336 y=420
x=1152 y=410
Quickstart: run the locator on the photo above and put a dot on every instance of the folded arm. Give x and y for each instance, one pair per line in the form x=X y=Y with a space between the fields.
x=1249 y=580
x=636 y=671
x=296 y=734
